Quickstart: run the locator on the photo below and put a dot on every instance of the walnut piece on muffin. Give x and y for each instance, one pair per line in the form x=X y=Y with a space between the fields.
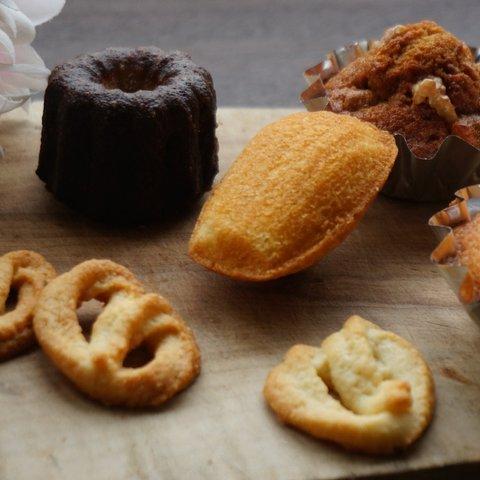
x=379 y=87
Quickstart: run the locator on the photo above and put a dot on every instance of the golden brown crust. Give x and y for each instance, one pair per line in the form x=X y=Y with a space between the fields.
x=384 y=77
x=26 y=272
x=295 y=192
x=467 y=243
x=130 y=318
x=383 y=389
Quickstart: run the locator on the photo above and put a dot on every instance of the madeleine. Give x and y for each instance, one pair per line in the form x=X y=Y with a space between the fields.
x=294 y=193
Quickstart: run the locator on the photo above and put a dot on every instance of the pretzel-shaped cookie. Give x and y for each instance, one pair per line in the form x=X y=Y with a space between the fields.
x=365 y=388
x=130 y=318
x=27 y=273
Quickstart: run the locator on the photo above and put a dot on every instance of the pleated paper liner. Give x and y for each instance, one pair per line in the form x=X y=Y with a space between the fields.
x=456 y=164
x=464 y=208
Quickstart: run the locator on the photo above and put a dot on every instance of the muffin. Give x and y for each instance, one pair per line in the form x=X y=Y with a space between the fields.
x=419 y=81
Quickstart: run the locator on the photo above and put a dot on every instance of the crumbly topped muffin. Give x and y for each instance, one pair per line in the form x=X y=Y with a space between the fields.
x=418 y=80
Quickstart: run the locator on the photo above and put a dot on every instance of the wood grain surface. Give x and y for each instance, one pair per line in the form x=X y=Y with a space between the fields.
x=220 y=427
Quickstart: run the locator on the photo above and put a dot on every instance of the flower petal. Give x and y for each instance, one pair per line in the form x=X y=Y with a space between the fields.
x=9 y=4
x=33 y=77
x=27 y=54
x=25 y=30
x=40 y=11
x=7 y=21
x=9 y=90
x=10 y=103
x=28 y=72
x=7 y=50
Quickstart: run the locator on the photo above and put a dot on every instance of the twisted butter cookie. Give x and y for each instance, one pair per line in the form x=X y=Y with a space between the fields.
x=130 y=318
x=365 y=388
x=27 y=273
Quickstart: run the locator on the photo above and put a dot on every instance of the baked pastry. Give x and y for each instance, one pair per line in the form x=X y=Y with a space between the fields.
x=131 y=319
x=294 y=193
x=129 y=134
x=458 y=253
x=419 y=81
x=466 y=238
x=25 y=273
x=364 y=388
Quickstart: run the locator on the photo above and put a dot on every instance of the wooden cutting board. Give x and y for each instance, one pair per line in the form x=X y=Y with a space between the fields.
x=220 y=427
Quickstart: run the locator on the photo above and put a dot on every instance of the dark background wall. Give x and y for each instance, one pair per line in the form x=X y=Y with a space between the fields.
x=256 y=50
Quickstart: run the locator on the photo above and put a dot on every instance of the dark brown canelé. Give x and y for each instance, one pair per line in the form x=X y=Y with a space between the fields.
x=129 y=134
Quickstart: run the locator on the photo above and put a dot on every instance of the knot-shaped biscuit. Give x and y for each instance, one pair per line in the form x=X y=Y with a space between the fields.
x=26 y=273
x=131 y=318
x=365 y=388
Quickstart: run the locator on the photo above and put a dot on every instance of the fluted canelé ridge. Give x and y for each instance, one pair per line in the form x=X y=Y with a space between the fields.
x=129 y=134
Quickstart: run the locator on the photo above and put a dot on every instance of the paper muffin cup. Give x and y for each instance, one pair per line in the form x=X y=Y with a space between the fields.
x=456 y=163
x=464 y=208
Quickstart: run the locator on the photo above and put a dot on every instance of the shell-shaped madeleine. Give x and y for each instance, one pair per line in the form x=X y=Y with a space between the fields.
x=294 y=193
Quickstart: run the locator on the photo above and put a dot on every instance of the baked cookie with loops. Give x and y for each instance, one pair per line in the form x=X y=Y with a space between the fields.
x=26 y=273
x=365 y=388
x=131 y=318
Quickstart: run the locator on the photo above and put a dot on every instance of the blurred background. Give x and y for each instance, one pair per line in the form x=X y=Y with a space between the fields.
x=256 y=50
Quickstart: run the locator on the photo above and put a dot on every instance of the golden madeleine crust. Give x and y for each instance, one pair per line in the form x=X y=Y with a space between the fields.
x=26 y=273
x=131 y=318
x=294 y=193
x=365 y=388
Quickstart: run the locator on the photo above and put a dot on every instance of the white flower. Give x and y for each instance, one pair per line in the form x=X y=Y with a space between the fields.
x=22 y=71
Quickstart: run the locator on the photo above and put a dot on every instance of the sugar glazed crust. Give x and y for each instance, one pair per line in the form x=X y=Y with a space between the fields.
x=296 y=191
x=365 y=388
x=26 y=273
x=378 y=87
x=129 y=134
x=131 y=318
